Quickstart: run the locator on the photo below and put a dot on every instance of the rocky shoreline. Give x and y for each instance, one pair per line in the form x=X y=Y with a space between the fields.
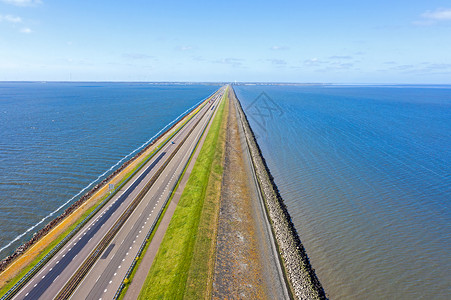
x=304 y=283
x=47 y=228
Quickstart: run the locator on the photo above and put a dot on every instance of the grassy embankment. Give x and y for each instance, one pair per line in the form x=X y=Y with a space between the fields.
x=184 y=264
x=121 y=178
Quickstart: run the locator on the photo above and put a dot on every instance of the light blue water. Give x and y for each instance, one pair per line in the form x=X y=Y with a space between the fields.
x=57 y=138
x=366 y=175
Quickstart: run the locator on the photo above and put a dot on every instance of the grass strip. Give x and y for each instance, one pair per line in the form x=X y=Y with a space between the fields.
x=199 y=282
x=169 y=272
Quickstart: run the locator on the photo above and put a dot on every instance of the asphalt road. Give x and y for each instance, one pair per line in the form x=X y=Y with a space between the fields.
x=106 y=275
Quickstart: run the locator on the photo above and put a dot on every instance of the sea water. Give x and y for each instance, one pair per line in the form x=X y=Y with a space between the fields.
x=366 y=174
x=58 y=139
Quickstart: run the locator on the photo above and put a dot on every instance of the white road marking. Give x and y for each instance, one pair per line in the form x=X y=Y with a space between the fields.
x=105 y=291
x=115 y=274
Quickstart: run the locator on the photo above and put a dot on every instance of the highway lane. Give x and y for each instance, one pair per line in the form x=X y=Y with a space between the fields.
x=59 y=269
x=106 y=276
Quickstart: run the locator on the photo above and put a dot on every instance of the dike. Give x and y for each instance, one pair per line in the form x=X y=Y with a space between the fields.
x=301 y=277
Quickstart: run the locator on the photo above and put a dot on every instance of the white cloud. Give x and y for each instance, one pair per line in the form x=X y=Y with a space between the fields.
x=312 y=62
x=441 y=14
x=11 y=19
x=234 y=62
x=184 y=48
x=429 y=18
x=136 y=56
x=275 y=61
x=26 y=30
x=22 y=2
x=340 y=57
x=276 y=48
x=334 y=63
x=423 y=68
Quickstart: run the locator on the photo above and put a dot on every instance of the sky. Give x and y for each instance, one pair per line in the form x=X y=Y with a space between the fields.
x=326 y=41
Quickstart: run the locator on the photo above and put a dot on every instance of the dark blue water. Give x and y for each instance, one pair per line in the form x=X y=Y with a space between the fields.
x=57 y=138
x=366 y=175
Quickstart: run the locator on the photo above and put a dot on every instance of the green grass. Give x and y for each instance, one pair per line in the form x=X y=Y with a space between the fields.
x=9 y=284
x=199 y=282
x=169 y=272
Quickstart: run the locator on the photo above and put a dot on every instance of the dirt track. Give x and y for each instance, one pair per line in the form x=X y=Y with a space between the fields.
x=245 y=264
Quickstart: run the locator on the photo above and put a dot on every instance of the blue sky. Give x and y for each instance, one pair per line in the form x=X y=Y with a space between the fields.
x=279 y=41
